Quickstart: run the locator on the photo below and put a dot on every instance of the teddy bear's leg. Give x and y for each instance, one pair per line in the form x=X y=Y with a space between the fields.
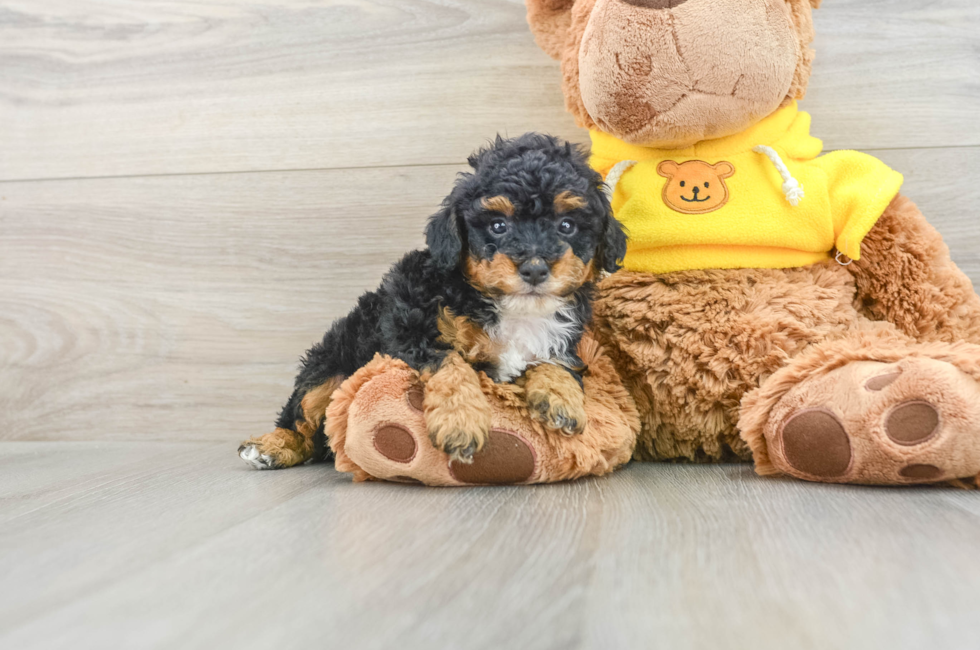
x=285 y=447
x=690 y=344
x=905 y=276
x=377 y=428
x=872 y=408
x=555 y=398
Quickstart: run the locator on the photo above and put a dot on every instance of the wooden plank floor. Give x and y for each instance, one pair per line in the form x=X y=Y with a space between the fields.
x=191 y=190
x=179 y=545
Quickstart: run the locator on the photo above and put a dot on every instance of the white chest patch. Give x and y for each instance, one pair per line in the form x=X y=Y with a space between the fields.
x=531 y=330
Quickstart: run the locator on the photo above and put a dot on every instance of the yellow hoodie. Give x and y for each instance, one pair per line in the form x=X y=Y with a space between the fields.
x=758 y=199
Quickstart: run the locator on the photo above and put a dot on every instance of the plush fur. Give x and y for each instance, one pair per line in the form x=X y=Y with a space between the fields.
x=505 y=283
x=864 y=373
x=387 y=393
x=674 y=73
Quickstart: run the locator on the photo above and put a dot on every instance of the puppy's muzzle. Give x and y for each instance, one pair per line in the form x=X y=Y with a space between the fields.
x=534 y=271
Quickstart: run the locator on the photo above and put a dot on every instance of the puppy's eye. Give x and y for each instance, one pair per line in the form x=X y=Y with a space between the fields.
x=498 y=226
x=566 y=227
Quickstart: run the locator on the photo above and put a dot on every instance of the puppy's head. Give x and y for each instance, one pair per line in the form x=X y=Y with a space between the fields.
x=531 y=219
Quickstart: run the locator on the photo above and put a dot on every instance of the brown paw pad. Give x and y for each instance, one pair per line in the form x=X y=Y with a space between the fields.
x=921 y=472
x=881 y=382
x=406 y=479
x=394 y=442
x=504 y=459
x=415 y=397
x=912 y=423
x=815 y=442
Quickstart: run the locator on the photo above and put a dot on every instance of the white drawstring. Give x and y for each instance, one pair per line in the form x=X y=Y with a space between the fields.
x=616 y=173
x=791 y=187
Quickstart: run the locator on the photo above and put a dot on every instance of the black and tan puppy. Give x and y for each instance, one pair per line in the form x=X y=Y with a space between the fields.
x=503 y=287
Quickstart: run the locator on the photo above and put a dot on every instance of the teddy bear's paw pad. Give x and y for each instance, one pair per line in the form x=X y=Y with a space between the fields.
x=921 y=472
x=815 y=443
x=912 y=423
x=405 y=479
x=416 y=397
x=505 y=459
x=396 y=443
x=881 y=382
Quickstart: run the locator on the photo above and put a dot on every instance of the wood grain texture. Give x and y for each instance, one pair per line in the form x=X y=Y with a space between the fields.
x=163 y=545
x=171 y=304
x=107 y=88
x=177 y=307
x=151 y=320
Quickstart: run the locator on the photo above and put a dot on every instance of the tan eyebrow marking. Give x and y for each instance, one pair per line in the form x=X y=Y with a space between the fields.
x=498 y=204
x=567 y=201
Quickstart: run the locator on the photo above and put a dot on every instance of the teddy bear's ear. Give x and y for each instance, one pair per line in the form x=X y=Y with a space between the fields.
x=667 y=168
x=550 y=21
x=803 y=26
x=725 y=169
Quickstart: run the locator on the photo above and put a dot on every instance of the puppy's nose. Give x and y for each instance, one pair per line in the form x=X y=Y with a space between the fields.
x=655 y=4
x=534 y=272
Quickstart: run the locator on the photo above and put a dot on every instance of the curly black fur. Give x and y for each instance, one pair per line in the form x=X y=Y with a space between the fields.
x=400 y=317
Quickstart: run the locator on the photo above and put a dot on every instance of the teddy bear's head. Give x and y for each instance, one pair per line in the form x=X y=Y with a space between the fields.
x=669 y=73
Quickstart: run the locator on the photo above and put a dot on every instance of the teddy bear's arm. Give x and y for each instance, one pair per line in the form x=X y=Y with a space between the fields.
x=905 y=276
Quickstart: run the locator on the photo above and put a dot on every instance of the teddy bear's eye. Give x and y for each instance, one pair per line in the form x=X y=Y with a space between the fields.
x=683 y=183
x=707 y=185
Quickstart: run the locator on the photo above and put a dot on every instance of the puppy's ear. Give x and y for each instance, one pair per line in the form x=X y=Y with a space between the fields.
x=612 y=246
x=442 y=236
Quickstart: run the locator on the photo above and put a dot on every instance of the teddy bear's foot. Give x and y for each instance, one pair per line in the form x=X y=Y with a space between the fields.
x=914 y=421
x=389 y=440
x=379 y=421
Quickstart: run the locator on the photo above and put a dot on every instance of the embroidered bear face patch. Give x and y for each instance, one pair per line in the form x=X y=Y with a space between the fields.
x=695 y=187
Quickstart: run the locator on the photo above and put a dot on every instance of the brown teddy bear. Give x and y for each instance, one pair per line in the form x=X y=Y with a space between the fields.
x=777 y=305
x=376 y=428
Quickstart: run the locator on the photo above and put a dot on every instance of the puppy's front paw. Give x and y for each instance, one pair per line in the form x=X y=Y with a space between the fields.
x=459 y=443
x=457 y=413
x=459 y=427
x=564 y=413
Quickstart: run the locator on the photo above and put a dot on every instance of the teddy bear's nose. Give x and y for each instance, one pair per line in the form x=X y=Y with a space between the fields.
x=696 y=190
x=655 y=4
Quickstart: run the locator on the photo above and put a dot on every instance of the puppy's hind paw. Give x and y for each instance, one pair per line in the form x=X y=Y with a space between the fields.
x=251 y=455
x=277 y=450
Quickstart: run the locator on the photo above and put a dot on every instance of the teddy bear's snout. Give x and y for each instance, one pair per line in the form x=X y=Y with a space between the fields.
x=655 y=4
